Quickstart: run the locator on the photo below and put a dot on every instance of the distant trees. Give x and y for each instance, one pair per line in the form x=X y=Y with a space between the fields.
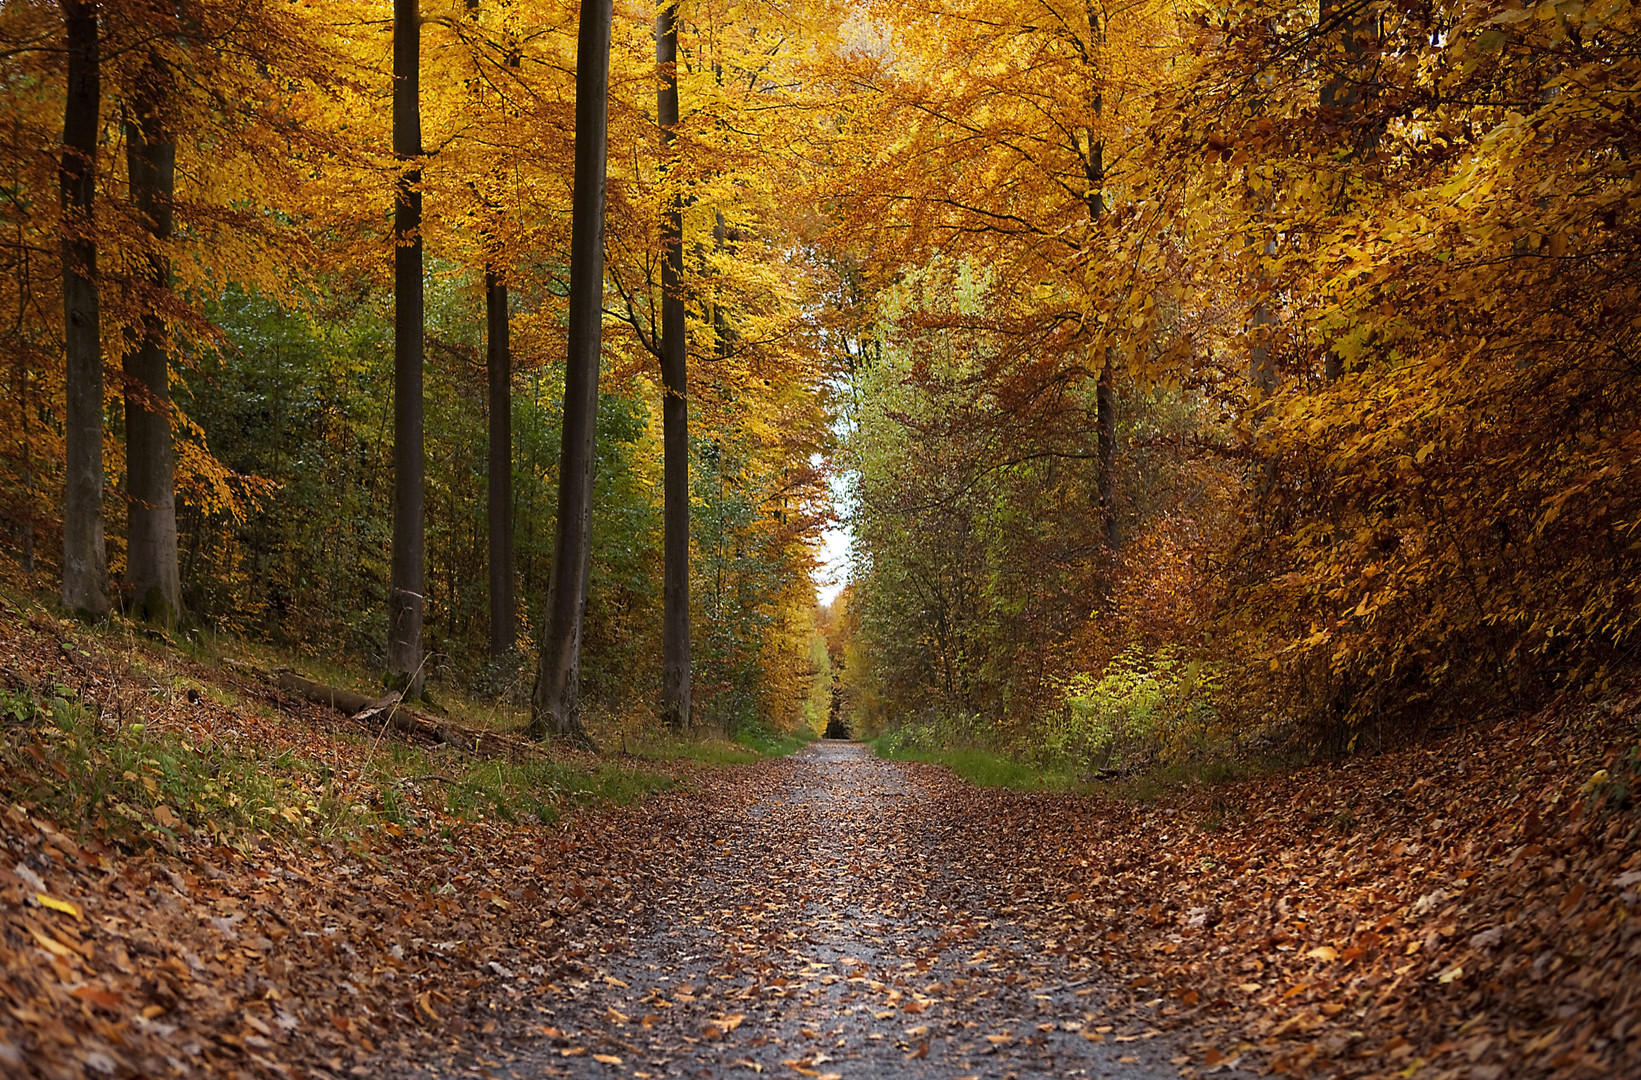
x=1331 y=252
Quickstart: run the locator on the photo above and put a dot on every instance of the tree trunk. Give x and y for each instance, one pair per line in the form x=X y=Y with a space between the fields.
x=151 y=544
x=1105 y=423
x=85 y=560
x=675 y=673
x=555 y=705
x=1344 y=92
x=406 y=597
x=499 y=356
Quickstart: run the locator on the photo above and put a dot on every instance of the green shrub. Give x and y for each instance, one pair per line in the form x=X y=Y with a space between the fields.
x=1143 y=707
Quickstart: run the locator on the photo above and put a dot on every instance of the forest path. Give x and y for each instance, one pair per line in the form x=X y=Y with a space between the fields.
x=840 y=926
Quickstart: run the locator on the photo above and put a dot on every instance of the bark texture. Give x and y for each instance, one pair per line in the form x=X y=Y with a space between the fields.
x=499 y=360
x=85 y=558
x=405 y=598
x=1105 y=422
x=675 y=659
x=151 y=545
x=555 y=708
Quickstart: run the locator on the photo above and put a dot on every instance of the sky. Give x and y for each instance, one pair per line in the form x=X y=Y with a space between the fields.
x=833 y=572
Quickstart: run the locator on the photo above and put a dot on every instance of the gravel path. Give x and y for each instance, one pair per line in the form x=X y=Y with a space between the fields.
x=835 y=930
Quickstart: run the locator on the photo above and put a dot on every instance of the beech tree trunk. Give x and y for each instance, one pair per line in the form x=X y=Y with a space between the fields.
x=675 y=662
x=151 y=544
x=1344 y=92
x=1105 y=422
x=406 y=597
x=85 y=559
x=499 y=358
x=1105 y=388
x=554 y=705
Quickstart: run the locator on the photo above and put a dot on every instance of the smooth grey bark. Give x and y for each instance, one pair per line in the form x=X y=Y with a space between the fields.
x=1105 y=423
x=150 y=455
x=406 y=590
x=1105 y=388
x=555 y=707
x=85 y=558
x=1261 y=366
x=675 y=658
x=499 y=361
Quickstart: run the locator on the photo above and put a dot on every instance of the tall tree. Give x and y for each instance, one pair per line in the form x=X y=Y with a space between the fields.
x=499 y=360
x=675 y=683
x=1105 y=389
x=1348 y=28
x=405 y=600
x=151 y=542
x=85 y=561
x=554 y=704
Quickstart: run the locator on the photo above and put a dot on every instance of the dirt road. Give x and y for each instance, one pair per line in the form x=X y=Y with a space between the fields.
x=834 y=929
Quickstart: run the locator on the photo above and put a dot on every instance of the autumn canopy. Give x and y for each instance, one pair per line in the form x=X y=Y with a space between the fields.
x=1275 y=361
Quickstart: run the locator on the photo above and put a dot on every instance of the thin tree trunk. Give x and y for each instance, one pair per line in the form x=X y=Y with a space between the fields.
x=1262 y=377
x=555 y=707
x=1105 y=389
x=499 y=356
x=85 y=560
x=675 y=662
x=406 y=597
x=151 y=543
x=25 y=431
x=1344 y=92
x=1105 y=423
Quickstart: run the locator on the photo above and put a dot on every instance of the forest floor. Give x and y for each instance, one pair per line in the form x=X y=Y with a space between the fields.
x=200 y=881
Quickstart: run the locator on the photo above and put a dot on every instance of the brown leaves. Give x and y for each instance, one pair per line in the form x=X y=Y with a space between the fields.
x=722 y=1026
x=1468 y=889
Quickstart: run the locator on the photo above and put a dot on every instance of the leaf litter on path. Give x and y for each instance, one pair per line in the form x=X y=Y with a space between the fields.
x=833 y=928
x=1465 y=910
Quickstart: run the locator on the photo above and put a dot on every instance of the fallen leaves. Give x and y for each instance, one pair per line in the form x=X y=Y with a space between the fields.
x=58 y=905
x=722 y=1026
x=258 y=955
x=1468 y=889
x=1449 y=927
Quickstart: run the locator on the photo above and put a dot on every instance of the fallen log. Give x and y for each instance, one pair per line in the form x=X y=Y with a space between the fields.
x=390 y=712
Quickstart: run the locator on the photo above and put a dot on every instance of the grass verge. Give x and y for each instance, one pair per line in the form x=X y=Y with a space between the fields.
x=984 y=768
x=137 y=784
x=748 y=746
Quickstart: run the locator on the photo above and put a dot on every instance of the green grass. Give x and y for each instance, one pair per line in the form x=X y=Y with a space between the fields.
x=748 y=746
x=768 y=743
x=1161 y=781
x=991 y=768
x=135 y=784
x=514 y=790
x=141 y=786
x=984 y=768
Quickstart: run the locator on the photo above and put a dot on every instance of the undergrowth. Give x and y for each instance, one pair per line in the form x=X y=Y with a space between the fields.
x=132 y=783
x=136 y=763
x=750 y=744
x=984 y=768
x=139 y=785
x=1028 y=769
